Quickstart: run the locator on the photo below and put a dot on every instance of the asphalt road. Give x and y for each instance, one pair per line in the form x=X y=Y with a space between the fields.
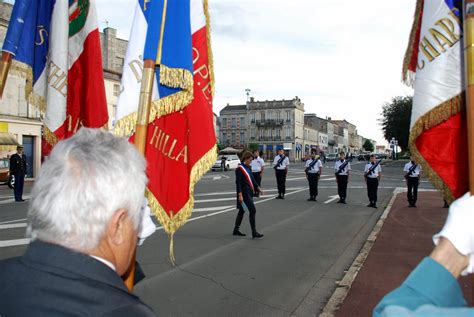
x=293 y=270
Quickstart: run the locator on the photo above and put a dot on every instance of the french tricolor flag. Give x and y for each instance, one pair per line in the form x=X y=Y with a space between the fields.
x=434 y=67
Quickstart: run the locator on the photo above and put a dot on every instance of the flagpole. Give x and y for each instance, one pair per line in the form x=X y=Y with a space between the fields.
x=146 y=91
x=468 y=11
x=5 y=63
x=469 y=59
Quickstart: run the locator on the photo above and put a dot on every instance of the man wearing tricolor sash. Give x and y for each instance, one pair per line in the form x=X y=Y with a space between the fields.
x=246 y=187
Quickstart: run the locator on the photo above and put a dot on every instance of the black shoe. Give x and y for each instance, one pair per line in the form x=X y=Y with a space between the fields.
x=343 y=201
x=374 y=205
x=238 y=233
x=339 y=201
x=257 y=235
x=310 y=199
x=370 y=205
x=278 y=197
x=283 y=196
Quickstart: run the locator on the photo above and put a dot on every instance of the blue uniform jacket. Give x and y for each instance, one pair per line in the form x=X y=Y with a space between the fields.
x=242 y=185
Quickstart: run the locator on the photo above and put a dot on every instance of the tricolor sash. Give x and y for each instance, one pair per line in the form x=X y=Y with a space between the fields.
x=247 y=176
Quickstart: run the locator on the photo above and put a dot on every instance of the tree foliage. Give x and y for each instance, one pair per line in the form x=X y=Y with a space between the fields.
x=368 y=146
x=395 y=120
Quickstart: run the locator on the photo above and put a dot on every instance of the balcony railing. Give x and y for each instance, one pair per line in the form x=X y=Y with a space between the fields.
x=269 y=123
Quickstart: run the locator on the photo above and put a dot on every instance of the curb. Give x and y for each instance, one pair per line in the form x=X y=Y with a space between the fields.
x=343 y=287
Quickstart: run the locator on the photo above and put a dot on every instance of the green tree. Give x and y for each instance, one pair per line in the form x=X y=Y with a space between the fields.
x=253 y=147
x=395 y=120
x=368 y=146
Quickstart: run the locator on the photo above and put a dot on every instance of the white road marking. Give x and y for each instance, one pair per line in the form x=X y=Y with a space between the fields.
x=333 y=198
x=13 y=225
x=233 y=208
x=10 y=221
x=211 y=208
x=13 y=243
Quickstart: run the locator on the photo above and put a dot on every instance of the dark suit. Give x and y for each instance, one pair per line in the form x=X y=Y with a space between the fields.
x=242 y=186
x=50 y=280
x=18 y=169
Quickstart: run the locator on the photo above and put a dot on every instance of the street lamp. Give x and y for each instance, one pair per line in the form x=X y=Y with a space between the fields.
x=247 y=91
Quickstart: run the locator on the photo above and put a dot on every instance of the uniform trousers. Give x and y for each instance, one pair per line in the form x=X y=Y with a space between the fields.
x=372 y=186
x=258 y=178
x=240 y=214
x=412 y=193
x=281 y=180
x=18 y=189
x=313 y=184
x=342 y=185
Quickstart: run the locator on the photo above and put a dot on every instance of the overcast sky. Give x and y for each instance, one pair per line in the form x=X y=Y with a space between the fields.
x=342 y=58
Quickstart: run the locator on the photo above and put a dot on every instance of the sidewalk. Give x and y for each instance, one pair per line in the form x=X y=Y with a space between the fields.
x=402 y=242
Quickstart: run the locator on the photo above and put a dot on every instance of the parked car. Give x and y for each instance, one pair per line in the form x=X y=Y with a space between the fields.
x=231 y=162
x=4 y=170
x=331 y=157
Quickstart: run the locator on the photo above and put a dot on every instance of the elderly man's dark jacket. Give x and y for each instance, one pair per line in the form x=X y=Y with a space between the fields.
x=50 y=280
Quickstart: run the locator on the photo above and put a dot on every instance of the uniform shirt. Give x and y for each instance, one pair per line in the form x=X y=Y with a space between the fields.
x=346 y=169
x=257 y=164
x=283 y=164
x=315 y=168
x=416 y=171
x=376 y=171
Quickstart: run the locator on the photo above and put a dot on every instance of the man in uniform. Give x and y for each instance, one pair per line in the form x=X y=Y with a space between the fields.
x=372 y=174
x=412 y=177
x=257 y=166
x=18 y=170
x=342 y=168
x=280 y=164
x=313 y=169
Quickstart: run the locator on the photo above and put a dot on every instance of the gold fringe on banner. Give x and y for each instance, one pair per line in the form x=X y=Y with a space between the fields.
x=408 y=77
x=49 y=136
x=209 y=47
x=24 y=71
x=172 y=223
x=437 y=115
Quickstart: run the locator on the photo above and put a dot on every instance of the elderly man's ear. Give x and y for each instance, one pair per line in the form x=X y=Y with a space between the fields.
x=121 y=239
x=115 y=228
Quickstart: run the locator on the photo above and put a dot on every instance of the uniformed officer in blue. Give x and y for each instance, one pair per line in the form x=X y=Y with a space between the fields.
x=372 y=174
x=412 y=177
x=257 y=165
x=342 y=169
x=246 y=187
x=280 y=164
x=18 y=169
x=313 y=170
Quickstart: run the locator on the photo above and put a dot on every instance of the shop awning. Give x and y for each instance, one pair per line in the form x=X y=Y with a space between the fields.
x=7 y=139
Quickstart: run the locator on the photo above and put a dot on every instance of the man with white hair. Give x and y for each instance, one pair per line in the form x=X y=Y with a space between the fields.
x=83 y=220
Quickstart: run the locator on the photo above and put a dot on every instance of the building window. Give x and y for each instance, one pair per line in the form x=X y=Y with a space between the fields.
x=119 y=62
x=278 y=134
x=278 y=115
x=288 y=133
x=232 y=138
x=242 y=138
x=224 y=122
x=262 y=133
x=116 y=90
x=253 y=117
x=262 y=116
x=288 y=118
x=233 y=123
x=242 y=121
x=224 y=137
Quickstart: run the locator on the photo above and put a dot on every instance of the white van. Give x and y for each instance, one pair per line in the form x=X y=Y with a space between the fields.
x=231 y=162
